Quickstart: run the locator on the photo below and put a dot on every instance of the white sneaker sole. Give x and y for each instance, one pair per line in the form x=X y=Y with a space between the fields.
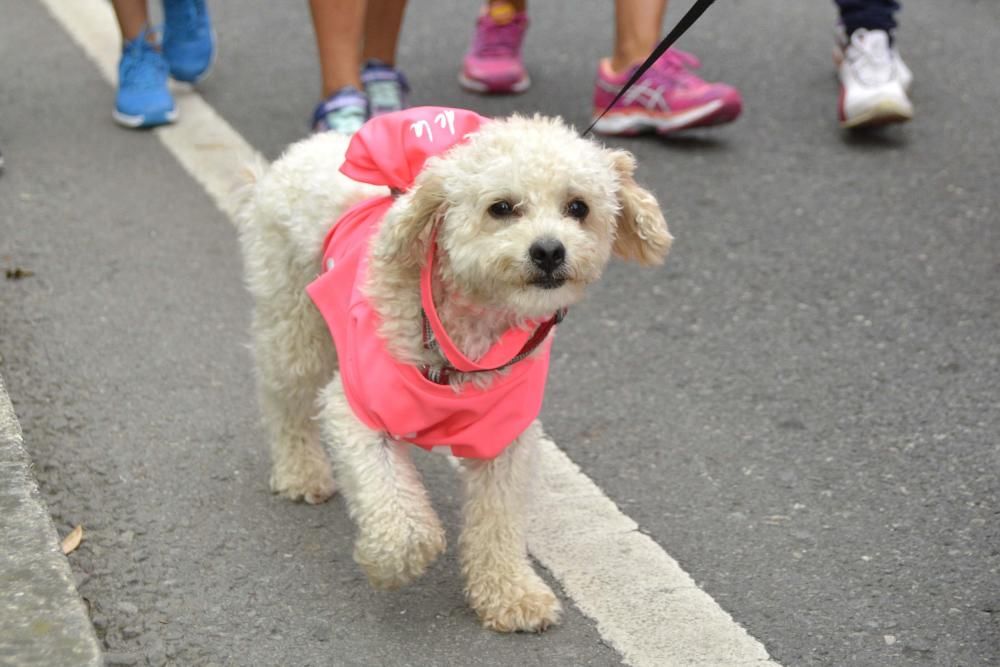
x=480 y=87
x=637 y=123
x=885 y=112
x=140 y=121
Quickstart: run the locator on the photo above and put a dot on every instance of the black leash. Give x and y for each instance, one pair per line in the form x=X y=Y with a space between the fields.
x=692 y=15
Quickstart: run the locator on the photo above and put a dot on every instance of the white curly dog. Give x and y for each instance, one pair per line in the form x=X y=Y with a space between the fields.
x=522 y=214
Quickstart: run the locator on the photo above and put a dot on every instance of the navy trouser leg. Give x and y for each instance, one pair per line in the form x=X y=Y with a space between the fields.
x=870 y=14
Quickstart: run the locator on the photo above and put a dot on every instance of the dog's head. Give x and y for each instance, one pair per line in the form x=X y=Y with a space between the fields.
x=525 y=214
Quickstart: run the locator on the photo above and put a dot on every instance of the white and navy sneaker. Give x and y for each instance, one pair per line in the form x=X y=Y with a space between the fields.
x=874 y=80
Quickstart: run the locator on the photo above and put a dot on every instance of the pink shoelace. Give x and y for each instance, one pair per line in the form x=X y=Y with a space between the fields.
x=677 y=66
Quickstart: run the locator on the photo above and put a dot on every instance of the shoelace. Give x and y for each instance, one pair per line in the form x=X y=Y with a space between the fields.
x=385 y=95
x=676 y=65
x=498 y=39
x=144 y=67
x=873 y=61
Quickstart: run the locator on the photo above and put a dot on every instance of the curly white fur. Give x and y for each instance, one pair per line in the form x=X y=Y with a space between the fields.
x=485 y=282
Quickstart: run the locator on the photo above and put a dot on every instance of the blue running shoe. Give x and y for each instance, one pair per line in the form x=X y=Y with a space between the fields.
x=385 y=86
x=188 y=41
x=345 y=111
x=143 y=99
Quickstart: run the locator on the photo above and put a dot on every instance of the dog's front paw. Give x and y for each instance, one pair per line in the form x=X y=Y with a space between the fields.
x=396 y=553
x=521 y=604
x=313 y=484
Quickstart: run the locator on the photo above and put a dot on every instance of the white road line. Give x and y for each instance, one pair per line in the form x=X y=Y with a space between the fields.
x=644 y=604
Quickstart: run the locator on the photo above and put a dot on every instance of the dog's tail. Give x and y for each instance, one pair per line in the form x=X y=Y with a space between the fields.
x=243 y=193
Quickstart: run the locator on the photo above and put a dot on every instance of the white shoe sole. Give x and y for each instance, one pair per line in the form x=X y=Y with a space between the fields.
x=885 y=112
x=480 y=87
x=140 y=121
x=637 y=124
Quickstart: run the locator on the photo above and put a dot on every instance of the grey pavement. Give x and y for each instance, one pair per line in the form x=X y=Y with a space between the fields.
x=801 y=407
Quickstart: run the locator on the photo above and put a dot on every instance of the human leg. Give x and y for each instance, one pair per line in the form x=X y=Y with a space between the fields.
x=132 y=17
x=338 y=27
x=870 y=14
x=383 y=22
x=637 y=30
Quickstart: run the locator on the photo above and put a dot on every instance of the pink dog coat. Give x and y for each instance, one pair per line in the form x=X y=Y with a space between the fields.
x=389 y=396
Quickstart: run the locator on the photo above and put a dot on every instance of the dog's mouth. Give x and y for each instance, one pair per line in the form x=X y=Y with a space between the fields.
x=548 y=282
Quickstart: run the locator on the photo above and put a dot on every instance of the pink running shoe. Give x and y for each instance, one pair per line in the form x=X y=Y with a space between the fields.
x=493 y=63
x=667 y=98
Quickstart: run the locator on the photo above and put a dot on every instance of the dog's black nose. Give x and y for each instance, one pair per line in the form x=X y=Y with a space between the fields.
x=548 y=254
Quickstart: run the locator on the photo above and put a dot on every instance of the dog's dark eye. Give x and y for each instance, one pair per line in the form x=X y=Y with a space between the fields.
x=577 y=209
x=502 y=209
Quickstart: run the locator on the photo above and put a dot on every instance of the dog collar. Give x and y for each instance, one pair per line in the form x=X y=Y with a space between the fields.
x=443 y=374
x=514 y=345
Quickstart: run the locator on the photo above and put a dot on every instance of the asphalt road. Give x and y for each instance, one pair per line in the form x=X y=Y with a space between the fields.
x=802 y=407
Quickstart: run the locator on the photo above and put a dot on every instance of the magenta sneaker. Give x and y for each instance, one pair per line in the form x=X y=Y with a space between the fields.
x=493 y=63
x=667 y=98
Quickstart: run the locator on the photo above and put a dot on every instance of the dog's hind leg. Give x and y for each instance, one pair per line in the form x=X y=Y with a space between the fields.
x=399 y=534
x=295 y=358
x=501 y=585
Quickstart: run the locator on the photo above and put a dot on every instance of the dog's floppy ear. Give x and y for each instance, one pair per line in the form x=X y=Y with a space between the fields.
x=406 y=230
x=642 y=234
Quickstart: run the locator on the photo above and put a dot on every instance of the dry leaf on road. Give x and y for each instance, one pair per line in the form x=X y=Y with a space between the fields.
x=72 y=541
x=17 y=273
